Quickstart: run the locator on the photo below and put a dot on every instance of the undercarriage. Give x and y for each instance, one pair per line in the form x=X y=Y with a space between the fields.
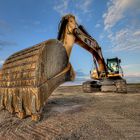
x=106 y=85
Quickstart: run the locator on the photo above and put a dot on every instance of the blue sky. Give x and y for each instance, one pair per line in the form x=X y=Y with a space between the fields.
x=115 y=24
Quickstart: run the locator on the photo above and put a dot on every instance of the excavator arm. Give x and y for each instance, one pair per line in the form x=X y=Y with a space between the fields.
x=70 y=32
x=84 y=40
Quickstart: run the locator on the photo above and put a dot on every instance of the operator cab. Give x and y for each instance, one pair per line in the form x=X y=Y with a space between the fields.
x=114 y=67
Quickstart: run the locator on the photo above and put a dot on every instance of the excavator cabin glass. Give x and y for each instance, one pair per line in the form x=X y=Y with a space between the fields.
x=113 y=65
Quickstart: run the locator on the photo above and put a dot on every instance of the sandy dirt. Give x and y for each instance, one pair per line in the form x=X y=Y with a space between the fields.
x=71 y=114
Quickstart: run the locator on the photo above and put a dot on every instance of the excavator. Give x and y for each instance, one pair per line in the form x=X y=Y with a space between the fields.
x=28 y=77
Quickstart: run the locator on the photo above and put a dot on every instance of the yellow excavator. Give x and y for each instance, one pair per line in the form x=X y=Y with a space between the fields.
x=28 y=77
x=107 y=76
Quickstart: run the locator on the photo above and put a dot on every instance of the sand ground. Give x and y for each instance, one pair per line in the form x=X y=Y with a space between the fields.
x=71 y=114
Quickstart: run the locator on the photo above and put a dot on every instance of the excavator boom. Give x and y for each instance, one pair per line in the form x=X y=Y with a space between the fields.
x=87 y=42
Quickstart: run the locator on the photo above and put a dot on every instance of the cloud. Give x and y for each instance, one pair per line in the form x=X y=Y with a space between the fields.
x=78 y=8
x=7 y=43
x=79 y=72
x=61 y=7
x=97 y=25
x=84 y=5
x=130 y=66
x=116 y=11
x=27 y=24
x=36 y=22
x=131 y=72
x=1 y=62
x=132 y=77
x=81 y=76
x=3 y=24
x=137 y=33
x=125 y=39
x=5 y=28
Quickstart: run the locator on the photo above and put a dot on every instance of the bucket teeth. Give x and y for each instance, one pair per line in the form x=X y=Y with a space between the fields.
x=9 y=103
x=1 y=102
x=5 y=99
x=35 y=117
x=20 y=105
x=16 y=103
x=21 y=115
x=33 y=105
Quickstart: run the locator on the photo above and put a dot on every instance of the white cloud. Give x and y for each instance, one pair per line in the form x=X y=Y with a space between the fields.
x=75 y=7
x=5 y=28
x=4 y=43
x=116 y=11
x=3 y=24
x=137 y=33
x=97 y=25
x=131 y=79
x=126 y=36
x=125 y=39
x=79 y=79
x=1 y=62
x=131 y=66
x=131 y=70
x=132 y=74
x=36 y=22
x=61 y=7
x=84 y=5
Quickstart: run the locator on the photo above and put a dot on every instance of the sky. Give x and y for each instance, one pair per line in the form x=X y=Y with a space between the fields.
x=115 y=24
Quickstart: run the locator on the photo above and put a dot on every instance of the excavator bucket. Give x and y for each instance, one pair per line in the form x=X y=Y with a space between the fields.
x=29 y=77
